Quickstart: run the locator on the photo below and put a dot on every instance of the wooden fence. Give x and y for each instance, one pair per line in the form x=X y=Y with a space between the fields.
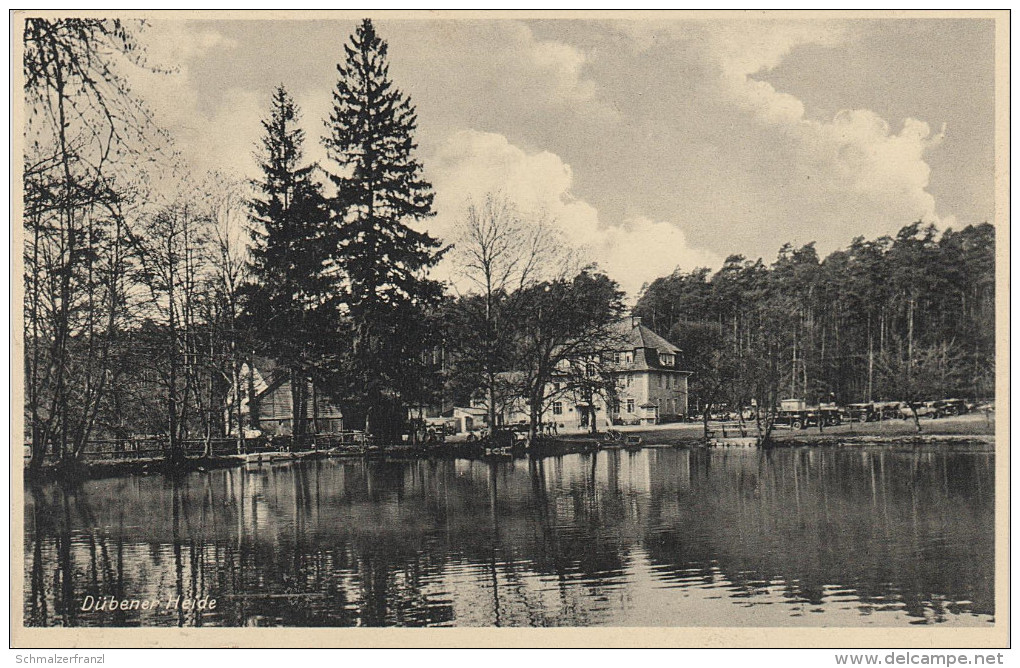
x=135 y=449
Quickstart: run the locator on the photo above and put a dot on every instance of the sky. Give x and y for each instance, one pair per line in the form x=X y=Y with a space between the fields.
x=654 y=145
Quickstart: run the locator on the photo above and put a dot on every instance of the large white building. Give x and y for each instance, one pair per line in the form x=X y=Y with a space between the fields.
x=651 y=387
x=646 y=386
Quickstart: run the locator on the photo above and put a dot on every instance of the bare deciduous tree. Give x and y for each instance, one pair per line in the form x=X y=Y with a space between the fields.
x=83 y=129
x=499 y=252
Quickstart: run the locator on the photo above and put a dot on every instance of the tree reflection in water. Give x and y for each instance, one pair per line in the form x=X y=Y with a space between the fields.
x=670 y=537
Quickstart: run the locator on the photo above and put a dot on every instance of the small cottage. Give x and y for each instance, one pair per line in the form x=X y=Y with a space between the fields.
x=273 y=400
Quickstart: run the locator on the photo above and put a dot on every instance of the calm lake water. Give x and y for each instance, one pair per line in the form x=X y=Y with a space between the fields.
x=819 y=536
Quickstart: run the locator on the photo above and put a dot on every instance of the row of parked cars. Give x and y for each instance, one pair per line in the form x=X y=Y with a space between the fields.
x=799 y=417
x=885 y=410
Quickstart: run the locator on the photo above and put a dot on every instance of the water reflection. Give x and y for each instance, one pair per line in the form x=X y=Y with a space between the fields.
x=813 y=536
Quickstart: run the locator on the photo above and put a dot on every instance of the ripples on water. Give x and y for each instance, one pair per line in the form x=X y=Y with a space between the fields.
x=660 y=537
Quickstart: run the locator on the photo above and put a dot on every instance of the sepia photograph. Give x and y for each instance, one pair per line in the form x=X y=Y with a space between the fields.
x=609 y=322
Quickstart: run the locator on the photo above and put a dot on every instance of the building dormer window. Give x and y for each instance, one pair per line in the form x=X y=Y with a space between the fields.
x=667 y=359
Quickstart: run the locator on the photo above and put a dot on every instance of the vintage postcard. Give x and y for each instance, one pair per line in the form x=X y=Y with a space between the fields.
x=437 y=329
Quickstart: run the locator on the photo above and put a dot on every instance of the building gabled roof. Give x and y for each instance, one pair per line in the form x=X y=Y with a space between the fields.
x=268 y=382
x=646 y=344
x=642 y=337
x=637 y=335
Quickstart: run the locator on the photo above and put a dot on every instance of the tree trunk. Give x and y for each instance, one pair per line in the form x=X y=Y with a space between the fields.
x=236 y=363
x=871 y=366
x=173 y=453
x=368 y=422
x=910 y=335
x=315 y=413
x=492 y=401
x=534 y=415
x=296 y=406
x=253 y=409
x=917 y=419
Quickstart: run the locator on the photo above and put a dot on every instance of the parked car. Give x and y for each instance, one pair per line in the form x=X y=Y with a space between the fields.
x=809 y=417
x=925 y=409
x=951 y=407
x=887 y=410
x=861 y=412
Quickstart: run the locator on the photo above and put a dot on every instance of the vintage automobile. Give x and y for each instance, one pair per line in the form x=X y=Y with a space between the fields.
x=887 y=410
x=862 y=412
x=809 y=417
x=925 y=409
x=951 y=407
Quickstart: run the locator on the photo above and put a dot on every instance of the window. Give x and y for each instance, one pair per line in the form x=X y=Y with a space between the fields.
x=557 y=408
x=630 y=379
x=589 y=369
x=630 y=405
x=617 y=358
x=662 y=379
x=667 y=359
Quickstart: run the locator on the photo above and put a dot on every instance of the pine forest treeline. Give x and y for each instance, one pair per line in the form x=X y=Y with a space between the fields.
x=904 y=318
x=150 y=290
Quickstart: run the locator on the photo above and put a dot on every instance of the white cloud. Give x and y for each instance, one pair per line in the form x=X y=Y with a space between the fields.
x=499 y=69
x=173 y=42
x=856 y=152
x=471 y=163
x=774 y=169
x=560 y=63
x=207 y=138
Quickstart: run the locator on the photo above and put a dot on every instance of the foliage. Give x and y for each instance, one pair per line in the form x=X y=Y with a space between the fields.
x=813 y=328
x=290 y=301
x=380 y=193
x=84 y=133
x=499 y=251
x=561 y=323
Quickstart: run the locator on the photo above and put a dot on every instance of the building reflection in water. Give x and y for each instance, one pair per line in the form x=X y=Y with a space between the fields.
x=812 y=536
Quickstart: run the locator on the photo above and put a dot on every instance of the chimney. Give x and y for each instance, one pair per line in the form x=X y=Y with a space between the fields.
x=635 y=320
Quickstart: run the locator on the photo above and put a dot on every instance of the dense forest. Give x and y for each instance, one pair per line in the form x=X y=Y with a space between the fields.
x=149 y=289
x=904 y=318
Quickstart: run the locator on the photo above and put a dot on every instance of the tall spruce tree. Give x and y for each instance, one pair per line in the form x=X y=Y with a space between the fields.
x=291 y=305
x=380 y=190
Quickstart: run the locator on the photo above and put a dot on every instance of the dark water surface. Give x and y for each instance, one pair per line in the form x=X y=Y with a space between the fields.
x=818 y=536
